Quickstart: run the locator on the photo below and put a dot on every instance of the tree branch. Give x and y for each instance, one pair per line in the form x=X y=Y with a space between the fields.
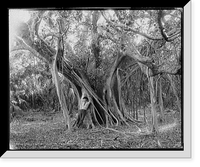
x=130 y=74
x=24 y=46
x=127 y=28
x=38 y=45
x=162 y=29
x=157 y=71
x=35 y=28
x=132 y=51
x=174 y=36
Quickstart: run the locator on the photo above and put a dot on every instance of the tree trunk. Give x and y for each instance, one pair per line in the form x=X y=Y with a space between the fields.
x=119 y=91
x=153 y=104
x=145 y=120
x=136 y=105
x=175 y=92
x=61 y=97
x=69 y=96
x=57 y=83
x=95 y=39
x=133 y=106
x=161 y=101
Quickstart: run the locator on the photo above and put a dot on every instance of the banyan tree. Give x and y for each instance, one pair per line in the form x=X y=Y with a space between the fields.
x=143 y=40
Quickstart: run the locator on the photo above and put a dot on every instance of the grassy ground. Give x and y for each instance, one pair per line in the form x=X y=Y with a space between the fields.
x=41 y=131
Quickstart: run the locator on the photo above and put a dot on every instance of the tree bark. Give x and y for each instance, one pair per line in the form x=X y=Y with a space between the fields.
x=159 y=95
x=61 y=97
x=153 y=103
x=95 y=39
x=175 y=92
x=161 y=100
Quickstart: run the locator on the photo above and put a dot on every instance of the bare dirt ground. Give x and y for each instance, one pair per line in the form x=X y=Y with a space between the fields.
x=41 y=131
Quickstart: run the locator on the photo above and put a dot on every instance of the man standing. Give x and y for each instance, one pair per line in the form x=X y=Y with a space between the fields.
x=83 y=113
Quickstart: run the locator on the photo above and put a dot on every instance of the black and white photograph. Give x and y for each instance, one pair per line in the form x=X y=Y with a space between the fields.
x=96 y=79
